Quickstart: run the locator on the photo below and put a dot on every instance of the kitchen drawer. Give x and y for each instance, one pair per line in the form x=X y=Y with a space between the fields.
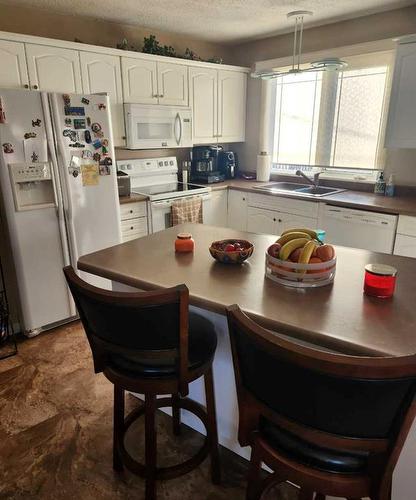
x=285 y=205
x=134 y=226
x=407 y=225
x=133 y=210
x=131 y=236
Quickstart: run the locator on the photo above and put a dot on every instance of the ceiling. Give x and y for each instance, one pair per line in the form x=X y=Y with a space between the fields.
x=223 y=21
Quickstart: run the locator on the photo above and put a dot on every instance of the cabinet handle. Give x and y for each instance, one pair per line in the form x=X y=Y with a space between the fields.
x=161 y=95
x=26 y=86
x=244 y=199
x=131 y=211
x=35 y=87
x=131 y=227
x=155 y=96
x=280 y=220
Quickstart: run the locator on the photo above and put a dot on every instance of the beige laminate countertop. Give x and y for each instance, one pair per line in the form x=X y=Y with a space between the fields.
x=404 y=205
x=337 y=316
x=133 y=198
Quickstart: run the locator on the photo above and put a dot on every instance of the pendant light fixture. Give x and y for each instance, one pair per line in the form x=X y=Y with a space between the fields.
x=327 y=64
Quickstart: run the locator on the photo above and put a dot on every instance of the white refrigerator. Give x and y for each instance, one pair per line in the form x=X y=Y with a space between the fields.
x=59 y=194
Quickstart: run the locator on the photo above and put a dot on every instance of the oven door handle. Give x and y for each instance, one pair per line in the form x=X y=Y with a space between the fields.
x=178 y=125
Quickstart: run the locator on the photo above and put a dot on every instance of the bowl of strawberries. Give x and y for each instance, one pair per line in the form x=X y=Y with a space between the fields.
x=231 y=251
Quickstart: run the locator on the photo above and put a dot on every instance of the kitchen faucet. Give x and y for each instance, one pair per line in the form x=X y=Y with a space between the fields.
x=314 y=182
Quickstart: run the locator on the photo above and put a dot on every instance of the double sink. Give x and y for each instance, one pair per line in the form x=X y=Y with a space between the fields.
x=298 y=189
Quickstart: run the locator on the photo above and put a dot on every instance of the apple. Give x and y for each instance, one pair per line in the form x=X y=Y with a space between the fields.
x=274 y=250
x=325 y=252
x=294 y=256
x=229 y=247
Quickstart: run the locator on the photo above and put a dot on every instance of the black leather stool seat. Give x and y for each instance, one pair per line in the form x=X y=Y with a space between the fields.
x=311 y=455
x=202 y=345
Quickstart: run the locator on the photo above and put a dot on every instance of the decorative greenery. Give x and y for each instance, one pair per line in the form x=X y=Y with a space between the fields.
x=151 y=45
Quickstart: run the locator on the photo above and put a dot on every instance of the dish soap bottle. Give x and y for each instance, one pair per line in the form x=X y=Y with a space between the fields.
x=390 y=186
x=380 y=185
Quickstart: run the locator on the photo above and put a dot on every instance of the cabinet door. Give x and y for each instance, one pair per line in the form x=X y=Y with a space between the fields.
x=261 y=221
x=237 y=210
x=405 y=246
x=172 y=83
x=203 y=93
x=13 y=71
x=401 y=125
x=217 y=213
x=101 y=73
x=53 y=69
x=289 y=221
x=139 y=80
x=232 y=90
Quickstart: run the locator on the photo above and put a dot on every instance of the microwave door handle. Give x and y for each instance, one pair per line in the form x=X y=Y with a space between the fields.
x=178 y=122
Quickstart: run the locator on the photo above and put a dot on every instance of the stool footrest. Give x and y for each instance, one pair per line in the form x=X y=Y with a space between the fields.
x=173 y=470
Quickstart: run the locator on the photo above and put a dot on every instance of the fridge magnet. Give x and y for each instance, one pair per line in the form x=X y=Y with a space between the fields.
x=90 y=174
x=104 y=142
x=30 y=135
x=106 y=161
x=68 y=121
x=99 y=134
x=67 y=99
x=8 y=148
x=84 y=100
x=79 y=123
x=87 y=154
x=96 y=157
x=102 y=106
x=36 y=150
x=77 y=145
x=36 y=123
x=104 y=150
x=2 y=112
x=75 y=161
x=97 y=144
x=74 y=171
x=104 y=170
x=74 y=111
x=96 y=127
x=87 y=137
x=88 y=121
x=73 y=136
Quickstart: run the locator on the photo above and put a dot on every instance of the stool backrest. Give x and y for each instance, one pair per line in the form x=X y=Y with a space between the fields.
x=365 y=403
x=152 y=324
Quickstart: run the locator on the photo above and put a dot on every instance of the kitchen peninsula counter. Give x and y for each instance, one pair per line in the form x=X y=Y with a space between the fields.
x=337 y=316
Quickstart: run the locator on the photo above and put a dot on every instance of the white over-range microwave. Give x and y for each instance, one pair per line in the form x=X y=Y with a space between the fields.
x=155 y=127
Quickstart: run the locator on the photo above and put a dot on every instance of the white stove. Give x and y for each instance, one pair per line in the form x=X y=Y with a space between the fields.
x=157 y=178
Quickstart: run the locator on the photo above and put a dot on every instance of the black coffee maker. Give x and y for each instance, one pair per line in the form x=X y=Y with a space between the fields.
x=205 y=164
x=228 y=164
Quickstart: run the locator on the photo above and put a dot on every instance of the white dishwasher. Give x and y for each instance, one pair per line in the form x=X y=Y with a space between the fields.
x=359 y=229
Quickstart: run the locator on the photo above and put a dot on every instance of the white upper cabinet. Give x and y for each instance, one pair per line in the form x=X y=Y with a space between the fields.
x=154 y=82
x=13 y=71
x=101 y=73
x=172 y=82
x=203 y=93
x=401 y=125
x=53 y=69
x=232 y=91
x=139 y=80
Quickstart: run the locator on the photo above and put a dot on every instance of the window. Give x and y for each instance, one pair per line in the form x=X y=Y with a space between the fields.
x=332 y=119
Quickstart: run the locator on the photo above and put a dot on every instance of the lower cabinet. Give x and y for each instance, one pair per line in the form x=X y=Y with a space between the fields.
x=405 y=244
x=273 y=214
x=237 y=210
x=216 y=215
x=133 y=220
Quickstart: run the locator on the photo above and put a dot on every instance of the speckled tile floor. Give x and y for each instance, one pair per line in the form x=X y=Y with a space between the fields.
x=56 y=433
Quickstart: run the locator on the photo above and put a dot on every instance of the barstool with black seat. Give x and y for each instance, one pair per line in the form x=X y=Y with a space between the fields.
x=331 y=423
x=148 y=343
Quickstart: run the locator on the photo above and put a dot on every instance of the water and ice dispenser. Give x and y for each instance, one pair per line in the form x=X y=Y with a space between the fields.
x=32 y=185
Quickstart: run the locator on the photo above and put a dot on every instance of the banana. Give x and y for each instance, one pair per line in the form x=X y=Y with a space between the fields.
x=307 y=252
x=292 y=236
x=291 y=245
x=311 y=232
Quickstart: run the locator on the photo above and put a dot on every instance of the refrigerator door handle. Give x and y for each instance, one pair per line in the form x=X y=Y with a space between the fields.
x=58 y=193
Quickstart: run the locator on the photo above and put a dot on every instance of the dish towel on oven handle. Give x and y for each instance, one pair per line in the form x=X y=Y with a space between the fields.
x=187 y=210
